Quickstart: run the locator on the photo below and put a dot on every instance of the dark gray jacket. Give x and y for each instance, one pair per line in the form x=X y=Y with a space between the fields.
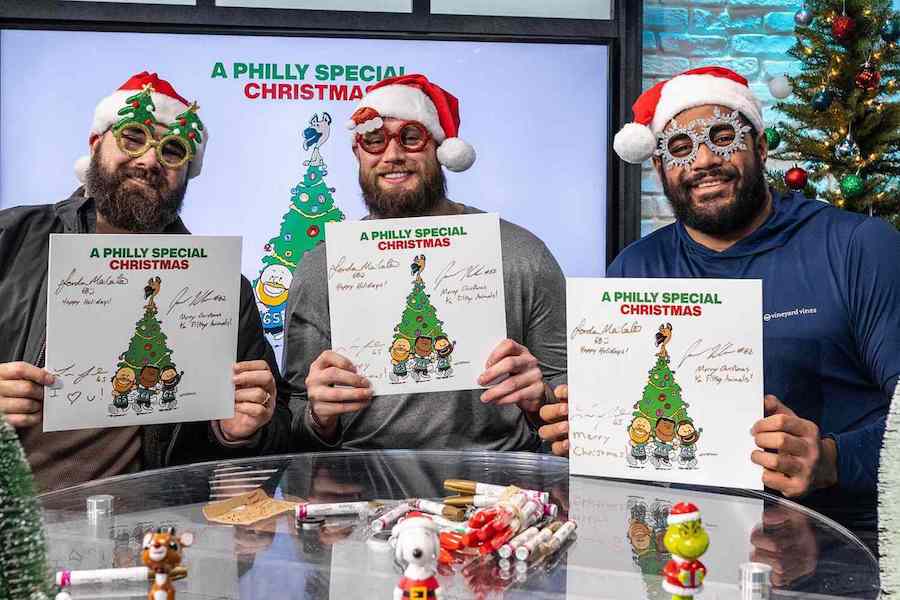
x=24 y=246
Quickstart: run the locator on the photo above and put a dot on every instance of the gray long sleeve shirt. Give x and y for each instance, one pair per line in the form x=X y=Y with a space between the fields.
x=535 y=317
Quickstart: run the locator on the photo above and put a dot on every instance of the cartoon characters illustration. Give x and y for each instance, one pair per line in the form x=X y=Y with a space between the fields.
x=146 y=389
x=400 y=352
x=443 y=349
x=151 y=291
x=663 y=337
x=417 y=266
x=123 y=383
x=686 y=440
x=315 y=136
x=169 y=379
x=660 y=418
x=271 y=294
x=423 y=359
x=639 y=433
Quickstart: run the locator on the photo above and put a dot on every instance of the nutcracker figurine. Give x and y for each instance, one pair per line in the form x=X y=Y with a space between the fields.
x=418 y=547
x=687 y=541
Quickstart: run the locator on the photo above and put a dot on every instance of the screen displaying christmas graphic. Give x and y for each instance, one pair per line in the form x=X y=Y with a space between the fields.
x=273 y=111
x=147 y=369
x=665 y=379
x=434 y=298
x=155 y=295
x=302 y=228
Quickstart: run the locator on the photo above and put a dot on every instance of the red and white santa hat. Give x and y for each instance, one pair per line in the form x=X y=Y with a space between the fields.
x=683 y=512
x=414 y=98
x=653 y=109
x=168 y=106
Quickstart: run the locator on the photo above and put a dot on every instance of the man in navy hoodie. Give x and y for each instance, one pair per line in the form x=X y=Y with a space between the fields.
x=831 y=288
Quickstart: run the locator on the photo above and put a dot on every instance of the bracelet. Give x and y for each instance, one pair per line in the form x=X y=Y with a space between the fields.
x=314 y=418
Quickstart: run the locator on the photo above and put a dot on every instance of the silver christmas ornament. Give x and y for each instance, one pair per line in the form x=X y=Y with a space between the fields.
x=847 y=150
x=803 y=17
x=780 y=87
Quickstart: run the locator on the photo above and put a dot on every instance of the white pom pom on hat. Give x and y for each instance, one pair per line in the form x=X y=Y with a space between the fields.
x=653 y=109
x=414 y=98
x=167 y=103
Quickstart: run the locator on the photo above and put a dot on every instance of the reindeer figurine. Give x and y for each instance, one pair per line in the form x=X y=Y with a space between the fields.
x=162 y=553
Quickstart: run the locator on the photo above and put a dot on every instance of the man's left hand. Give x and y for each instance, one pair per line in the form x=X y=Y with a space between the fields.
x=524 y=383
x=801 y=461
x=254 y=400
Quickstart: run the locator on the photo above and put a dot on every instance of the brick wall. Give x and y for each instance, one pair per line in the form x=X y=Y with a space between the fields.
x=748 y=36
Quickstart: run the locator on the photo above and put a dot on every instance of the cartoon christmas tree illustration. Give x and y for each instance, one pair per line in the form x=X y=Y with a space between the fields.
x=420 y=334
x=24 y=571
x=148 y=346
x=302 y=228
x=661 y=417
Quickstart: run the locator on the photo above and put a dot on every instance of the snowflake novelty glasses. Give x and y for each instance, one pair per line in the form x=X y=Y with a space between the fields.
x=411 y=136
x=135 y=139
x=722 y=134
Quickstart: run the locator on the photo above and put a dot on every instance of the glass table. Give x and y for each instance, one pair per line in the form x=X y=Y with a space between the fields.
x=618 y=552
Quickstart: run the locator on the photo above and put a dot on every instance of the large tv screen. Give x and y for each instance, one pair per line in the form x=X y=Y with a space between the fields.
x=536 y=113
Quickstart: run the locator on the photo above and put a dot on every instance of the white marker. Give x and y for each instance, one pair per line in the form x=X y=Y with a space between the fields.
x=559 y=538
x=526 y=549
x=388 y=518
x=305 y=511
x=69 y=578
x=507 y=549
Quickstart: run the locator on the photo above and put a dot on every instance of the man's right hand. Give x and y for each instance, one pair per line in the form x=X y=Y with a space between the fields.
x=558 y=416
x=22 y=393
x=327 y=402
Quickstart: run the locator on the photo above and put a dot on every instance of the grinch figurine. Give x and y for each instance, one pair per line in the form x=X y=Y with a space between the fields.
x=687 y=541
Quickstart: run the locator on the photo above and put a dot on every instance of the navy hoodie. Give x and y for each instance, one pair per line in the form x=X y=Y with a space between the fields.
x=831 y=319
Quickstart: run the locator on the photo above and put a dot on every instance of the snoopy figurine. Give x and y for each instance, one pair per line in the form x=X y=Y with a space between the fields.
x=418 y=547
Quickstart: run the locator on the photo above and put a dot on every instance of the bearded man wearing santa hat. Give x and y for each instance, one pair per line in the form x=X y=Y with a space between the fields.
x=831 y=287
x=404 y=130
x=144 y=143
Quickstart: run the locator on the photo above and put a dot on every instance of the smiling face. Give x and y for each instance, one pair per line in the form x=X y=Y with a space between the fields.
x=442 y=346
x=168 y=375
x=149 y=376
x=272 y=287
x=400 y=349
x=639 y=430
x=134 y=193
x=665 y=429
x=423 y=346
x=714 y=194
x=397 y=182
x=687 y=433
x=124 y=380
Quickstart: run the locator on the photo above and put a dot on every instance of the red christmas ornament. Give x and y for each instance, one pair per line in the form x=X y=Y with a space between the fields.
x=662 y=397
x=148 y=122
x=182 y=121
x=868 y=79
x=796 y=178
x=135 y=104
x=147 y=346
x=842 y=28
x=313 y=231
x=191 y=135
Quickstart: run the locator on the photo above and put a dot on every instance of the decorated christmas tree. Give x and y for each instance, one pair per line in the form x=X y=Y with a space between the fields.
x=662 y=395
x=148 y=345
x=419 y=316
x=24 y=571
x=139 y=108
x=842 y=130
x=302 y=228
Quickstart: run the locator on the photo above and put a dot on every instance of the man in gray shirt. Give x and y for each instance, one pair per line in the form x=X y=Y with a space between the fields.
x=405 y=129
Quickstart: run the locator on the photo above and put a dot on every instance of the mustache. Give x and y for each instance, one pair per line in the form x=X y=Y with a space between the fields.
x=722 y=172
x=153 y=178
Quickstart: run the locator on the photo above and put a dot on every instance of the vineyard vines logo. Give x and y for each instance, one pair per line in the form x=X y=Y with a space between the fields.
x=790 y=313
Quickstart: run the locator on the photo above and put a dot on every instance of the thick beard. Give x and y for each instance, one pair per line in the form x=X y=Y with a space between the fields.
x=137 y=209
x=421 y=201
x=749 y=201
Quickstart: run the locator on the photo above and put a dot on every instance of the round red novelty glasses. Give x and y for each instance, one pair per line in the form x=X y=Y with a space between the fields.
x=412 y=137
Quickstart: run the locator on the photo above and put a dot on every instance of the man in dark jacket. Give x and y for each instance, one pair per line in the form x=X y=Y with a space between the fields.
x=133 y=184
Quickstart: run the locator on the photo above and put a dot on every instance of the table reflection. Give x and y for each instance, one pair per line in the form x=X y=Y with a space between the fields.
x=618 y=552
